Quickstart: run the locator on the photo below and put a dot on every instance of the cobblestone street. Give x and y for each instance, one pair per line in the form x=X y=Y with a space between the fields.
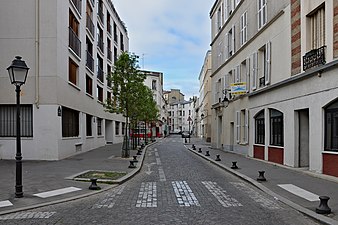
x=173 y=187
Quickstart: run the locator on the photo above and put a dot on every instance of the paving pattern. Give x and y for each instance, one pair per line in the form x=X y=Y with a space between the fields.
x=109 y=198
x=184 y=194
x=147 y=197
x=221 y=195
x=27 y=215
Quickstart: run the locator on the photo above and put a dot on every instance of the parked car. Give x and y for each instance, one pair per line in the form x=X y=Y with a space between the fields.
x=185 y=134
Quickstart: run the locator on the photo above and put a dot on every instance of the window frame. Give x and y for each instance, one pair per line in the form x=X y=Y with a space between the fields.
x=260 y=128
x=328 y=136
x=72 y=123
x=276 y=128
x=262 y=13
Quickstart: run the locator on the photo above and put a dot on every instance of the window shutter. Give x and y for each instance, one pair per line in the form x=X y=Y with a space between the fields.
x=238 y=74
x=226 y=46
x=247 y=63
x=246 y=126
x=254 y=70
x=233 y=39
x=238 y=126
x=268 y=63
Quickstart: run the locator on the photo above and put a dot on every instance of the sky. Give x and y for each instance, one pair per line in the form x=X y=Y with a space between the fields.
x=170 y=36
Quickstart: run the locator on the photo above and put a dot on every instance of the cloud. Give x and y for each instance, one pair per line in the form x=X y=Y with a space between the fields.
x=171 y=36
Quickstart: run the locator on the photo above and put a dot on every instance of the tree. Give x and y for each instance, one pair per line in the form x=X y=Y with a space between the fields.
x=126 y=81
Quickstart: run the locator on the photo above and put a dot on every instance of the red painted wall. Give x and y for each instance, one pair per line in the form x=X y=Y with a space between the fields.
x=258 y=152
x=276 y=155
x=330 y=164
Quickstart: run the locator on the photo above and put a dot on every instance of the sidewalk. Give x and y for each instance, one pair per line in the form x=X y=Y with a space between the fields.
x=45 y=176
x=275 y=175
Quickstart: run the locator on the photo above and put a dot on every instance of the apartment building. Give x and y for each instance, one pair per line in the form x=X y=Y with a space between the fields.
x=69 y=51
x=173 y=96
x=154 y=80
x=203 y=105
x=275 y=92
x=182 y=116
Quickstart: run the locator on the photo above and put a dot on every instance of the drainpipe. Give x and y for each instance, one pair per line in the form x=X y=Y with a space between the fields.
x=37 y=53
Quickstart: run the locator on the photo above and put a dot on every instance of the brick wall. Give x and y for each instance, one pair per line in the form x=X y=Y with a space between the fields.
x=295 y=37
x=335 y=29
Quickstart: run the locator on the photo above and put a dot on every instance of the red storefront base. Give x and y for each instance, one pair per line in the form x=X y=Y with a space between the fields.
x=258 y=152
x=330 y=164
x=276 y=155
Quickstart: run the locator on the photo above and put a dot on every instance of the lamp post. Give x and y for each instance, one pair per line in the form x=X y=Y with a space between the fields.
x=18 y=71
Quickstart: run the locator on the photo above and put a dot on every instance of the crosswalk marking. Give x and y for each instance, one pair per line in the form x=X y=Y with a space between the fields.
x=5 y=203
x=57 y=192
x=161 y=173
x=184 y=194
x=221 y=195
x=300 y=192
x=147 y=197
x=256 y=196
x=110 y=198
x=27 y=215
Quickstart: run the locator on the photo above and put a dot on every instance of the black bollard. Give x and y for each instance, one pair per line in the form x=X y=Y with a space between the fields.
x=139 y=152
x=135 y=158
x=234 y=165
x=199 y=150
x=93 y=185
x=207 y=153
x=132 y=166
x=323 y=207
x=218 y=158
x=185 y=140
x=142 y=146
x=193 y=147
x=261 y=176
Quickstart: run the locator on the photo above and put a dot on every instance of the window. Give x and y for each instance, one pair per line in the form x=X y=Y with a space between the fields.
x=89 y=125
x=117 y=128
x=262 y=13
x=189 y=112
x=243 y=28
x=74 y=41
x=123 y=128
x=276 y=128
x=89 y=85
x=73 y=72
x=70 y=122
x=264 y=64
x=260 y=128
x=153 y=85
x=219 y=18
x=242 y=126
x=99 y=93
x=8 y=120
x=331 y=127
x=99 y=126
x=121 y=42
x=231 y=42
x=317 y=25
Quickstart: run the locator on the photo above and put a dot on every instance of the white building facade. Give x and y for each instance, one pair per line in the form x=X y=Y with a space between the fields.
x=69 y=51
x=182 y=116
x=275 y=92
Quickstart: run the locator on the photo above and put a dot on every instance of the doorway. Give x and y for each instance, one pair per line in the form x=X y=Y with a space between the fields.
x=303 y=138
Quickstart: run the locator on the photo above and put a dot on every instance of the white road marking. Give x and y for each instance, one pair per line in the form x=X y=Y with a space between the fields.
x=221 y=195
x=147 y=197
x=110 y=198
x=27 y=215
x=184 y=194
x=300 y=192
x=158 y=161
x=162 y=175
x=5 y=203
x=156 y=154
x=57 y=192
x=256 y=196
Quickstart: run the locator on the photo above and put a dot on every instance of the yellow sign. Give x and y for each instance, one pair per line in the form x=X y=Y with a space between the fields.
x=238 y=88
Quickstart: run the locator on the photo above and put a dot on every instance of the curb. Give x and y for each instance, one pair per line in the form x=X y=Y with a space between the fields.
x=313 y=215
x=115 y=184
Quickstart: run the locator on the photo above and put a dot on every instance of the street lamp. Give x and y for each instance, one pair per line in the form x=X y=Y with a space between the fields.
x=18 y=71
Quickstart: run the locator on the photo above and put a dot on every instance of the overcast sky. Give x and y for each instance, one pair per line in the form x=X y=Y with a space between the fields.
x=170 y=36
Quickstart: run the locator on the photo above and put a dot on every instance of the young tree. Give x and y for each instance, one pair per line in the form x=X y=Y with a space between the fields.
x=126 y=80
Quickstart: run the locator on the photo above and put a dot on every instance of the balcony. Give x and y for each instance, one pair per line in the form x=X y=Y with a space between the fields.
x=100 y=44
x=74 y=42
x=78 y=5
x=90 y=25
x=100 y=74
x=90 y=62
x=314 y=58
x=109 y=54
x=100 y=14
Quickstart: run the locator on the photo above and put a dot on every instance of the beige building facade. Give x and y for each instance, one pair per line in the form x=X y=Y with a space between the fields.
x=69 y=51
x=275 y=93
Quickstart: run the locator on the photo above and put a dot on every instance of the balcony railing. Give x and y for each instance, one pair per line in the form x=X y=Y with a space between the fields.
x=74 y=42
x=78 y=5
x=90 y=62
x=100 y=14
x=314 y=58
x=93 y=2
x=90 y=25
x=100 y=44
x=100 y=74
x=109 y=54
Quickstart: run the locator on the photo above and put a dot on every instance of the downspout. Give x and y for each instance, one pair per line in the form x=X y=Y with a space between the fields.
x=37 y=53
